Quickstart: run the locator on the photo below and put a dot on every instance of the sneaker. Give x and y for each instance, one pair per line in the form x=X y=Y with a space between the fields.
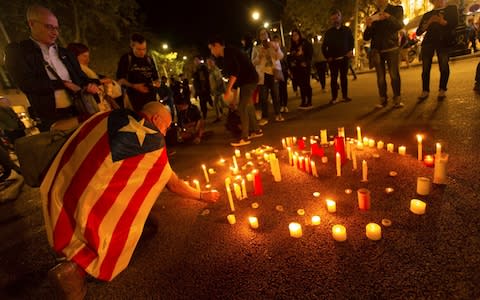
x=240 y=143
x=381 y=104
x=68 y=280
x=302 y=106
x=441 y=94
x=308 y=106
x=255 y=134
x=262 y=122
x=423 y=95
x=282 y=109
x=279 y=118
x=346 y=99
x=333 y=101
x=398 y=105
x=285 y=109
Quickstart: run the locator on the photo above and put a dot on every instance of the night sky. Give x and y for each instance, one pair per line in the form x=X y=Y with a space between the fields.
x=190 y=23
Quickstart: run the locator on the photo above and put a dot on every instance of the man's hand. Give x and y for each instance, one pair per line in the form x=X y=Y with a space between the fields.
x=209 y=196
x=71 y=86
x=140 y=87
x=92 y=89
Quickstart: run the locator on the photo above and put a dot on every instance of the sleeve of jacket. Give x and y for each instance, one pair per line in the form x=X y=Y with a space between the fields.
x=255 y=56
x=368 y=33
x=325 y=45
x=76 y=73
x=420 y=29
x=451 y=16
x=308 y=51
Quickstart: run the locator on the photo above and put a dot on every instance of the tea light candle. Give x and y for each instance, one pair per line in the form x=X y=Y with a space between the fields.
x=339 y=233
x=359 y=145
x=211 y=171
x=339 y=164
x=331 y=206
x=316 y=220
x=371 y=143
x=359 y=133
x=363 y=196
x=390 y=147
x=316 y=194
x=429 y=161
x=197 y=185
x=295 y=230
x=253 y=222
x=248 y=155
x=237 y=152
x=417 y=206
x=205 y=173
x=323 y=137
x=419 y=150
x=231 y=219
x=324 y=159
x=373 y=231
x=364 y=171
x=423 y=186
x=440 y=169
x=402 y=150
x=438 y=147
x=380 y=145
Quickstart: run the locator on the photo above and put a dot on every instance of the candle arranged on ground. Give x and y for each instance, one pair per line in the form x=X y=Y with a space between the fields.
x=235 y=164
x=248 y=155
x=229 y=193
x=231 y=219
x=363 y=196
x=402 y=150
x=207 y=179
x=257 y=183
x=419 y=150
x=316 y=220
x=371 y=143
x=197 y=185
x=417 y=206
x=314 y=168
x=349 y=149
x=339 y=233
x=331 y=206
x=429 y=161
x=238 y=191
x=365 y=141
x=301 y=144
x=364 y=171
x=338 y=164
x=380 y=145
x=253 y=222
x=354 y=159
x=237 y=152
x=423 y=186
x=440 y=169
x=324 y=159
x=323 y=137
x=284 y=144
x=359 y=145
x=295 y=230
x=221 y=161
x=341 y=132
x=390 y=147
x=373 y=231
x=290 y=155
x=359 y=134
x=438 y=148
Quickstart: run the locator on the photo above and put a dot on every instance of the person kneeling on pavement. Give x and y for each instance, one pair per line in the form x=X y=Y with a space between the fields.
x=190 y=121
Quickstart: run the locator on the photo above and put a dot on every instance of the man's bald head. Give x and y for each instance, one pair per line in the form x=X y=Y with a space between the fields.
x=159 y=115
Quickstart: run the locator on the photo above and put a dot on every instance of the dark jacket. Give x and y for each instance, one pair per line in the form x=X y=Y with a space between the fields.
x=438 y=35
x=303 y=60
x=337 y=42
x=24 y=62
x=384 y=34
x=236 y=63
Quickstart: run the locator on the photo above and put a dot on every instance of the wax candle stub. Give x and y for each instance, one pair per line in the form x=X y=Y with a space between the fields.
x=373 y=231
x=417 y=206
x=295 y=230
x=316 y=220
x=339 y=233
x=423 y=186
x=231 y=219
x=402 y=150
x=253 y=222
x=331 y=206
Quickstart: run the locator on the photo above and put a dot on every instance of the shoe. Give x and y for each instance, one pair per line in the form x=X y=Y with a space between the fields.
x=279 y=118
x=333 y=101
x=308 y=106
x=256 y=134
x=302 y=106
x=346 y=99
x=263 y=122
x=285 y=109
x=441 y=94
x=398 y=105
x=382 y=104
x=282 y=109
x=423 y=95
x=68 y=280
x=240 y=142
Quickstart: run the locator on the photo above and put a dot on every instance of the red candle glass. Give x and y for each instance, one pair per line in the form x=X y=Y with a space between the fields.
x=257 y=184
x=429 y=161
x=363 y=199
x=317 y=150
x=301 y=144
x=340 y=148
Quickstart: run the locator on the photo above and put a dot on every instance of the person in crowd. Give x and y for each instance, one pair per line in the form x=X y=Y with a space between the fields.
x=301 y=52
x=217 y=88
x=190 y=121
x=201 y=84
x=404 y=47
x=337 y=48
x=282 y=84
x=137 y=72
x=472 y=33
x=320 y=64
x=241 y=74
x=439 y=25
x=166 y=95
x=48 y=74
x=247 y=44
x=266 y=56
x=98 y=193
x=185 y=86
x=382 y=29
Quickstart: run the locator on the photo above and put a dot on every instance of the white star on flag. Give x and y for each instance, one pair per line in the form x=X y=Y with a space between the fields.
x=137 y=128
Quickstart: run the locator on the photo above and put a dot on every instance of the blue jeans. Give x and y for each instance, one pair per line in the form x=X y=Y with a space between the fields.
x=427 y=55
x=246 y=110
x=391 y=58
x=269 y=85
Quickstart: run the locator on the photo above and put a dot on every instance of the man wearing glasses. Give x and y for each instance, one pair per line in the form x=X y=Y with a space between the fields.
x=46 y=73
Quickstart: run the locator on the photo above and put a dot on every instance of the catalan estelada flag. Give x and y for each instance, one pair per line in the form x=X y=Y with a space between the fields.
x=100 y=189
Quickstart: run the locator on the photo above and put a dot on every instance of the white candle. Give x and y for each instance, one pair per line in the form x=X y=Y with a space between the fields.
x=354 y=159
x=294 y=160
x=248 y=155
x=324 y=159
x=419 y=151
x=380 y=145
x=423 y=186
x=316 y=220
x=440 y=169
x=295 y=230
x=237 y=152
x=290 y=155
x=284 y=144
x=197 y=185
x=339 y=233
x=349 y=150
x=235 y=165
x=244 y=190
x=237 y=190
x=314 y=168
x=359 y=133
x=207 y=179
x=229 y=193
x=439 y=149
x=331 y=206
x=231 y=219
x=365 y=141
x=364 y=171
x=323 y=137
x=253 y=222
x=402 y=150
x=338 y=160
x=249 y=177
x=373 y=231
x=371 y=143
x=341 y=131
x=390 y=147
x=359 y=145
x=417 y=206
x=211 y=171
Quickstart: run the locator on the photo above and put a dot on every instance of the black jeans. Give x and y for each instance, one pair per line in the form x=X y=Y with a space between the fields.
x=427 y=55
x=204 y=99
x=321 y=68
x=302 y=76
x=336 y=66
x=391 y=59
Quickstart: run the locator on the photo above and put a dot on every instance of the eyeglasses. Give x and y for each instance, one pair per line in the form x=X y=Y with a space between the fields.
x=49 y=27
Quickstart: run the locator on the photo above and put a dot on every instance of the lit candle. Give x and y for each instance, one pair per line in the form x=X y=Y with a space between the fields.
x=324 y=159
x=338 y=160
x=207 y=180
x=331 y=206
x=359 y=145
x=294 y=160
x=237 y=152
x=363 y=196
x=314 y=168
x=257 y=184
x=248 y=155
x=429 y=161
x=231 y=219
x=316 y=220
x=419 y=151
x=307 y=164
x=249 y=177
x=373 y=231
x=371 y=143
x=284 y=144
x=237 y=190
x=197 y=185
x=423 y=186
x=359 y=133
x=439 y=149
x=365 y=141
x=354 y=159
x=323 y=137
x=301 y=164
x=339 y=232
x=440 y=169
x=417 y=206
x=295 y=230
x=235 y=165
x=380 y=145
x=349 y=150
x=390 y=147
x=253 y=222
x=341 y=132
x=229 y=193
x=402 y=150
x=301 y=143
x=211 y=171
x=221 y=161
x=364 y=171
x=290 y=155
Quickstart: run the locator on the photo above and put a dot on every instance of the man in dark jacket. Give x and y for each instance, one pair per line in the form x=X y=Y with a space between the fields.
x=201 y=84
x=46 y=73
x=382 y=29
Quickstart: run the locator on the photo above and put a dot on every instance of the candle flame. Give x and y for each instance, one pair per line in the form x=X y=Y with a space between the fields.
x=419 y=138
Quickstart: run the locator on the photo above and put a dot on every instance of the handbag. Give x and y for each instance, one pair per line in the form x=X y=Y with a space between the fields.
x=278 y=75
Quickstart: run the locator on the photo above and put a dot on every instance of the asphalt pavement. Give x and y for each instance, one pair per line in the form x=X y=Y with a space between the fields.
x=191 y=252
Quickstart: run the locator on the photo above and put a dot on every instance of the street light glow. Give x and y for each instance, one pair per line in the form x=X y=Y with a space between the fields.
x=266 y=25
x=165 y=46
x=184 y=57
x=256 y=15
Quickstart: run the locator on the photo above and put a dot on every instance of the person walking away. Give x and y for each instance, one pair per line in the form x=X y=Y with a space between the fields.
x=217 y=88
x=320 y=64
x=382 y=29
x=337 y=48
x=282 y=84
x=201 y=84
x=301 y=63
x=439 y=25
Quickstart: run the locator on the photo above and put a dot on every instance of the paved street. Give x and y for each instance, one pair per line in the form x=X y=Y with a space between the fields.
x=191 y=253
